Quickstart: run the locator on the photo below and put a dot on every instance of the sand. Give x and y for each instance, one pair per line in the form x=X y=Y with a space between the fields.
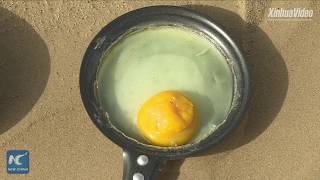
x=42 y=44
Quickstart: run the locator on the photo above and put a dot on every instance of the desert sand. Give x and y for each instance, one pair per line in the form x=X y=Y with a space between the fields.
x=41 y=48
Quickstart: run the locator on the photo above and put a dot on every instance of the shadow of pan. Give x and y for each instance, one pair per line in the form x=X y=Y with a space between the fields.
x=24 y=68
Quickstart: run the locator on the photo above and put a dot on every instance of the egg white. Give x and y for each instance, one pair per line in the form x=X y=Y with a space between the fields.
x=149 y=61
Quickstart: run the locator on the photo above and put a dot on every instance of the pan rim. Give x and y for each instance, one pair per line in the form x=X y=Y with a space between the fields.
x=168 y=14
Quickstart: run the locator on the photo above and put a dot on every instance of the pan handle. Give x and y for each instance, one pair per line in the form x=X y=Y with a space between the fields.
x=139 y=166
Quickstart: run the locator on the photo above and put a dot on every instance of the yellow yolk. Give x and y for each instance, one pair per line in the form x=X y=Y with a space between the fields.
x=168 y=119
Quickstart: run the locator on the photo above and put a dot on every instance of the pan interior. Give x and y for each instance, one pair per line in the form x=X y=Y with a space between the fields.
x=150 y=60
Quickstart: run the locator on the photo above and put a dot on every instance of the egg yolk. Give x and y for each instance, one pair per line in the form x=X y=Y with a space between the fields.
x=168 y=119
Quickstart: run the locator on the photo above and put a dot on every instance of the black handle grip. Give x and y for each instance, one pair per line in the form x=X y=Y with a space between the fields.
x=139 y=166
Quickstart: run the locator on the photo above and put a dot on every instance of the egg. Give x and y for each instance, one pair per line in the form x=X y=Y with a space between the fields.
x=168 y=119
x=158 y=59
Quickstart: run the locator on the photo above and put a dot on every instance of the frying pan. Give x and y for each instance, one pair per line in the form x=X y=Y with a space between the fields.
x=143 y=161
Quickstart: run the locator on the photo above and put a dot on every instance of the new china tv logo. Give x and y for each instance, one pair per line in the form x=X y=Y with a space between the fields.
x=18 y=162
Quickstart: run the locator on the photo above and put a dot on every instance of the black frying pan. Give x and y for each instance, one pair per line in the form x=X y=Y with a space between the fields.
x=143 y=161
